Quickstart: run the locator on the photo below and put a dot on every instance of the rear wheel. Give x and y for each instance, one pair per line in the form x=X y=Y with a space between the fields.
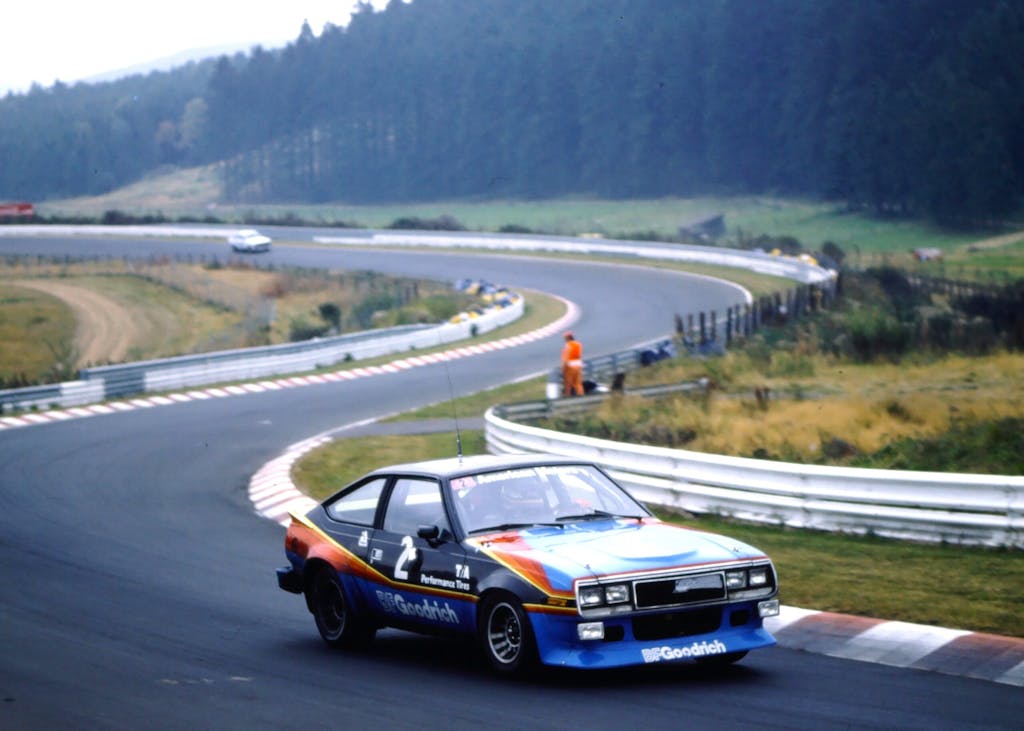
x=335 y=620
x=505 y=635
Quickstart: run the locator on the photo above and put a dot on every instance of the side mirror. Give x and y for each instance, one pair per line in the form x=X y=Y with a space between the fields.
x=431 y=534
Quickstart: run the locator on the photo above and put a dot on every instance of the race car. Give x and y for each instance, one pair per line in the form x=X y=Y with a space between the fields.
x=540 y=559
x=249 y=240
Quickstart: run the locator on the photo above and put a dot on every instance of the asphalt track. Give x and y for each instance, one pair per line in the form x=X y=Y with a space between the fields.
x=137 y=586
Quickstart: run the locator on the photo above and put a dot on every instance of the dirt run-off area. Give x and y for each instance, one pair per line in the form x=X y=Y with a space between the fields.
x=106 y=329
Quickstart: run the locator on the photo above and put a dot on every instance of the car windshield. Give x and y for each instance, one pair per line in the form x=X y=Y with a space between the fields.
x=556 y=495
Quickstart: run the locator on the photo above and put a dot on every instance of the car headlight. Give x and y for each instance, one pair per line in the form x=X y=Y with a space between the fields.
x=759 y=576
x=611 y=598
x=591 y=596
x=616 y=594
x=735 y=579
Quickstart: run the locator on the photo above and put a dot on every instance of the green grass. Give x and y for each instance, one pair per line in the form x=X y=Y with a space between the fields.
x=326 y=470
x=951 y=586
x=167 y=319
x=993 y=446
x=168 y=322
x=476 y=404
x=997 y=261
x=34 y=327
x=191 y=192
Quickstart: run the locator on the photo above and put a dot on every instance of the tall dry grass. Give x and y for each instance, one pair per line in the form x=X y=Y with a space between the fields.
x=756 y=412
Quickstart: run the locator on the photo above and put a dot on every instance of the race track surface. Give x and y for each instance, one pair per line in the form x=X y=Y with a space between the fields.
x=138 y=586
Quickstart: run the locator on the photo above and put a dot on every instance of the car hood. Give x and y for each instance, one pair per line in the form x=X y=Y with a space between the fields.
x=556 y=557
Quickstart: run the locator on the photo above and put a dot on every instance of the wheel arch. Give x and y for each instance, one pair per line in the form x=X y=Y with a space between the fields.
x=309 y=570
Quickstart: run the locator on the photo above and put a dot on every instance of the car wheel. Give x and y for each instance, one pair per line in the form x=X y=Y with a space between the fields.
x=506 y=637
x=720 y=660
x=337 y=624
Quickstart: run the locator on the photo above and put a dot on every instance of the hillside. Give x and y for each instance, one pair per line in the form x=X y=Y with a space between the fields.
x=529 y=99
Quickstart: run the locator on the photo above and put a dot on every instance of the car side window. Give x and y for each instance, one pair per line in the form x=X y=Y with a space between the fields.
x=359 y=505
x=414 y=502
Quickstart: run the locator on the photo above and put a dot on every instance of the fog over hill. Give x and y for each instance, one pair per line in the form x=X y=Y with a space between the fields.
x=177 y=60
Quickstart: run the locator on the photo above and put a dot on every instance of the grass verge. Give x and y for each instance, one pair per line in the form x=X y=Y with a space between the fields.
x=34 y=328
x=866 y=239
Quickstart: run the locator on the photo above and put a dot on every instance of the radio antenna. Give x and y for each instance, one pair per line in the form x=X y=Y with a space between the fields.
x=455 y=412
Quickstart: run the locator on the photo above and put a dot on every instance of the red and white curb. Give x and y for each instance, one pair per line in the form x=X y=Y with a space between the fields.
x=396 y=366
x=901 y=644
x=271 y=490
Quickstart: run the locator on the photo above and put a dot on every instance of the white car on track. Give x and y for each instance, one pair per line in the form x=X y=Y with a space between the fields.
x=249 y=240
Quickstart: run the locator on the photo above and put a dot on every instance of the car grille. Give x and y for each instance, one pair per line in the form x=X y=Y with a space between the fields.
x=677 y=624
x=677 y=591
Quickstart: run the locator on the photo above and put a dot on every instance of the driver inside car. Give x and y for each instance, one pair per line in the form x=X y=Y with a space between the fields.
x=523 y=501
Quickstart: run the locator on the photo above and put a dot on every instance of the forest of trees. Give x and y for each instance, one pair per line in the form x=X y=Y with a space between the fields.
x=901 y=106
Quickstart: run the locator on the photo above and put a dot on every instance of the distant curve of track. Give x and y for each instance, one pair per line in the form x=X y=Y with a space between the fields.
x=138 y=590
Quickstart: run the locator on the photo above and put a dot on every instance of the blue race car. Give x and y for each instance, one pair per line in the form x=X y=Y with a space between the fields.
x=538 y=558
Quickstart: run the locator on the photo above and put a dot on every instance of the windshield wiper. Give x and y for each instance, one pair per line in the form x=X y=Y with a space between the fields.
x=594 y=515
x=513 y=526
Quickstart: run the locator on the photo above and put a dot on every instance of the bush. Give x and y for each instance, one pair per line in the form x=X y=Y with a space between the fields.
x=371 y=305
x=1003 y=308
x=441 y=223
x=331 y=314
x=785 y=363
x=300 y=329
x=902 y=296
x=985 y=447
x=874 y=334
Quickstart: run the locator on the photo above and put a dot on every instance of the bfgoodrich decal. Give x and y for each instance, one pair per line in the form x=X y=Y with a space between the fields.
x=426 y=609
x=697 y=649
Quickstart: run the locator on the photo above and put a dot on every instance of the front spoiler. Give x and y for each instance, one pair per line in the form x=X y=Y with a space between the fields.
x=558 y=645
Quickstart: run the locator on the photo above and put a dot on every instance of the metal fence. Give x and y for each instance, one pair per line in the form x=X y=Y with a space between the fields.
x=929 y=506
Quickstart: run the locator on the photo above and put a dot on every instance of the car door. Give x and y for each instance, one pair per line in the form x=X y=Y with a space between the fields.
x=421 y=583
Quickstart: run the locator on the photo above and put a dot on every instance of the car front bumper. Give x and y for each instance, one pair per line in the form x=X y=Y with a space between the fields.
x=740 y=629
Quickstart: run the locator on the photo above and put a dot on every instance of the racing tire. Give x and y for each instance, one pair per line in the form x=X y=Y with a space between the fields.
x=505 y=636
x=337 y=623
x=728 y=658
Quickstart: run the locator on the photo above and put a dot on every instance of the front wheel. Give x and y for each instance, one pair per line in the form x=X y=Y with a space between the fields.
x=337 y=624
x=506 y=637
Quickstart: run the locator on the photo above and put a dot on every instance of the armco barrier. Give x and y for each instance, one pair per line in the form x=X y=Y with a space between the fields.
x=187 y=371
x=930 y=506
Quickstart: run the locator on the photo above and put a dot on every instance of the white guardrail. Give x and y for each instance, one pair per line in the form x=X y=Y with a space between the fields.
x=756 y=261
x=928 y=506
x=107 y=382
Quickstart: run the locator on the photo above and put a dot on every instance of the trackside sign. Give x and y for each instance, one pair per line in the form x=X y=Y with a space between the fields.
x=16 y=209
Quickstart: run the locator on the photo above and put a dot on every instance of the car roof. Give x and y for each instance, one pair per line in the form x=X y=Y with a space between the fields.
x=456 y=466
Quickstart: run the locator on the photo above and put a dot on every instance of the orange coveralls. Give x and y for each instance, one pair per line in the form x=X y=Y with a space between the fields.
x=572 y=368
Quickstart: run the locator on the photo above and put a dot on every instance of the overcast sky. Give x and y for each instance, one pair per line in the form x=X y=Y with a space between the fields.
x=70 y=40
